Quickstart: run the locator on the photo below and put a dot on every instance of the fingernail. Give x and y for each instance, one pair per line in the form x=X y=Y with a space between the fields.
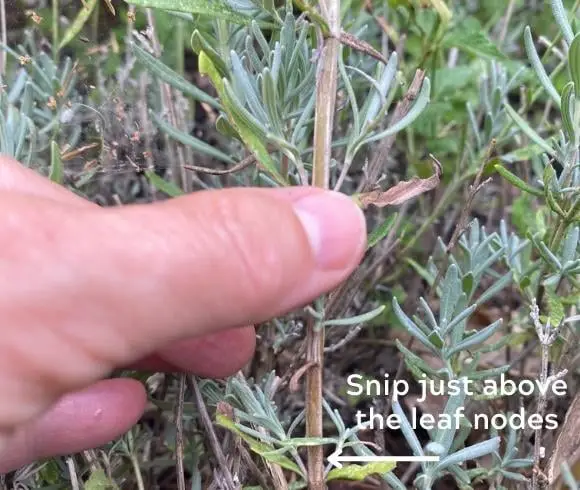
x=335 y=227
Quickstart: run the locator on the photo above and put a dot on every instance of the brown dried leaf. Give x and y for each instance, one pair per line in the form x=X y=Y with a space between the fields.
x=360 y=45
x=403 y=191
x=110 y=6
x=567 y=447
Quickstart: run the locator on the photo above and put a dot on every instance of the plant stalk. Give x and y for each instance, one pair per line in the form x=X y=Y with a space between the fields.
x=324 y=121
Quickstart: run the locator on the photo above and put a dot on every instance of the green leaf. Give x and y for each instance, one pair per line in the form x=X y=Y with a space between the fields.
x=360 y=472
x=522 y=154
x=260 y=448
x=381 y=231
x=477 y=338
x=550 y=190
x=528 y=131
x=451 y=291
x=189 y=140
x=422 y=271
x=162 y=71
x=162 y=185
x=467 y=283
x=436 y=339
x=365 y=317
x=574 y=61
x=538 y=67
x=410 y=326
x=517 y=182
x=77 y=24
x=555 y=307
x=99 y=481
x=215 y=9
x=522 y=219
x=567 y=109
x=469 y=36
x=240 y=119
x=414 y=361
x=56 y=172
x=200 y=43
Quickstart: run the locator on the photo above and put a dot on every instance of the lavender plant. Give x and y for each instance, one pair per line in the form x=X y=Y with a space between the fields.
x=301 y=93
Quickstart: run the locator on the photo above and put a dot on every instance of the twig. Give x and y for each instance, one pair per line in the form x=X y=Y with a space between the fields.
x=294 y=382
x=473 y=190
x=326 y=87
x=179 y=433
x=462 y=222
x=74 y=479
x=245 y=163
x=137 y=471
x=547 y=335
x=180 y=177
x=506 y=21
x=213 y=440
x=353 y=332
x=252 y=467
x=380 y=158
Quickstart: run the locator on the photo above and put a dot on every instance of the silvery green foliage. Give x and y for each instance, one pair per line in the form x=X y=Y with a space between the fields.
x=557 y=172
x=494 y=87
x=38 y=104
x=269 y=81
x=539 y=264
x=445 y=333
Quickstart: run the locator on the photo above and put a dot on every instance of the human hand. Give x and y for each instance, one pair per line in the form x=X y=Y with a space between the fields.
x=85 y=290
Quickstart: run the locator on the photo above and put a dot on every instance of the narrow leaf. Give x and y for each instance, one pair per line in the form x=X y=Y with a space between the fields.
x=216 y=9
x=469 y=453
x=527 y=129
x=381 y=231
x=475 y=339
x=357 y=472
x=562 y=20
x=240 y=119
x=517 y=182
x=355 y=320
x=539 y=67
x=78 y=23
x=162 y=71
x=189 y=140
x=260 y=448
x=162 y=185
x=56 y=173
x=410 y=326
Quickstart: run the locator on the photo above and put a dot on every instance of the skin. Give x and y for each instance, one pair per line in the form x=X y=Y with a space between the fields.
x=171 y=286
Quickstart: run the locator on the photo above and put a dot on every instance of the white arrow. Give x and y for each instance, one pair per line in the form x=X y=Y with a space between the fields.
x=336 y=459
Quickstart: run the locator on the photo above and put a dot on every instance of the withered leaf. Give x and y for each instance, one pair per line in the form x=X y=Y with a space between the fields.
x=360 y=45
x=401 y=192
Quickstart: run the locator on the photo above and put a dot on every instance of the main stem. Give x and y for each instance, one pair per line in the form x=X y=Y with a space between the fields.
x=325 y=106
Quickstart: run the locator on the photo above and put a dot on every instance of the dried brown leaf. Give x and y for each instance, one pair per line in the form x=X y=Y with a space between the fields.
x=360 y=45
x=401 y=192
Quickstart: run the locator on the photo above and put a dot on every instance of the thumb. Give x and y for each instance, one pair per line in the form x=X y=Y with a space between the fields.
x=85 y=290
